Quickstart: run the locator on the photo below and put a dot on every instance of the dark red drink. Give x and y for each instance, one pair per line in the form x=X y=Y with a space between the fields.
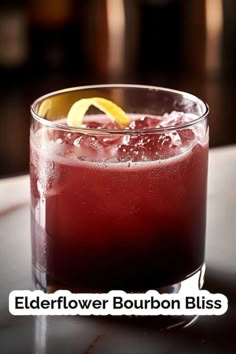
x=119 y=211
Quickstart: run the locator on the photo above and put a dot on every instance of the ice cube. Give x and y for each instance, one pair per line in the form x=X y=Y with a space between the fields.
x=187 y=136
x=145 y=123
x=88 y=141
x=172 y=119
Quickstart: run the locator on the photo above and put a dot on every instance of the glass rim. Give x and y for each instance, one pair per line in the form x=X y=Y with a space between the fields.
x=94 y=131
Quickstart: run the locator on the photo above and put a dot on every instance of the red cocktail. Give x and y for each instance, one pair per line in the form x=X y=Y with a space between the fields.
x=117 y=208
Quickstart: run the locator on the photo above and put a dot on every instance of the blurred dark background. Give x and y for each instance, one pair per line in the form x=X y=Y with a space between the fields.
x=46 y=45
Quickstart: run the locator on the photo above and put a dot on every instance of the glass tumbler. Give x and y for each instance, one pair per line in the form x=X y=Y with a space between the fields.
x=119 y=208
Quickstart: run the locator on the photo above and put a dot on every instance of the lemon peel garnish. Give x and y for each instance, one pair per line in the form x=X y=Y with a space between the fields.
x=79 y=109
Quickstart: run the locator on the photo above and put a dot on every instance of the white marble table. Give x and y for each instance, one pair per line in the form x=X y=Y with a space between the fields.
x=74 y=335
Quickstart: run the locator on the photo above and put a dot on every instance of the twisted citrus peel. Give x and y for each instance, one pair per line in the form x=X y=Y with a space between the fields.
x=79 y=109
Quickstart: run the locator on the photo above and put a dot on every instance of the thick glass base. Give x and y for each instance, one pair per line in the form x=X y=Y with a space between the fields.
x=191 y=284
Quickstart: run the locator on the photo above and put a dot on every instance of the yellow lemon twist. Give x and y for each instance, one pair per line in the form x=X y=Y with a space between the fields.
x=79 y=109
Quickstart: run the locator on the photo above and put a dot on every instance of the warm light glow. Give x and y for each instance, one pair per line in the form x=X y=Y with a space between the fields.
x=116 y=36
x=214 y=24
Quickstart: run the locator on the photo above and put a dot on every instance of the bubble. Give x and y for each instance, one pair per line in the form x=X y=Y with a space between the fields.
x=77 y=142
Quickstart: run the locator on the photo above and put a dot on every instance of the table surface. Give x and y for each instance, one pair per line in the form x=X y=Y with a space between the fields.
x=46 y=335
